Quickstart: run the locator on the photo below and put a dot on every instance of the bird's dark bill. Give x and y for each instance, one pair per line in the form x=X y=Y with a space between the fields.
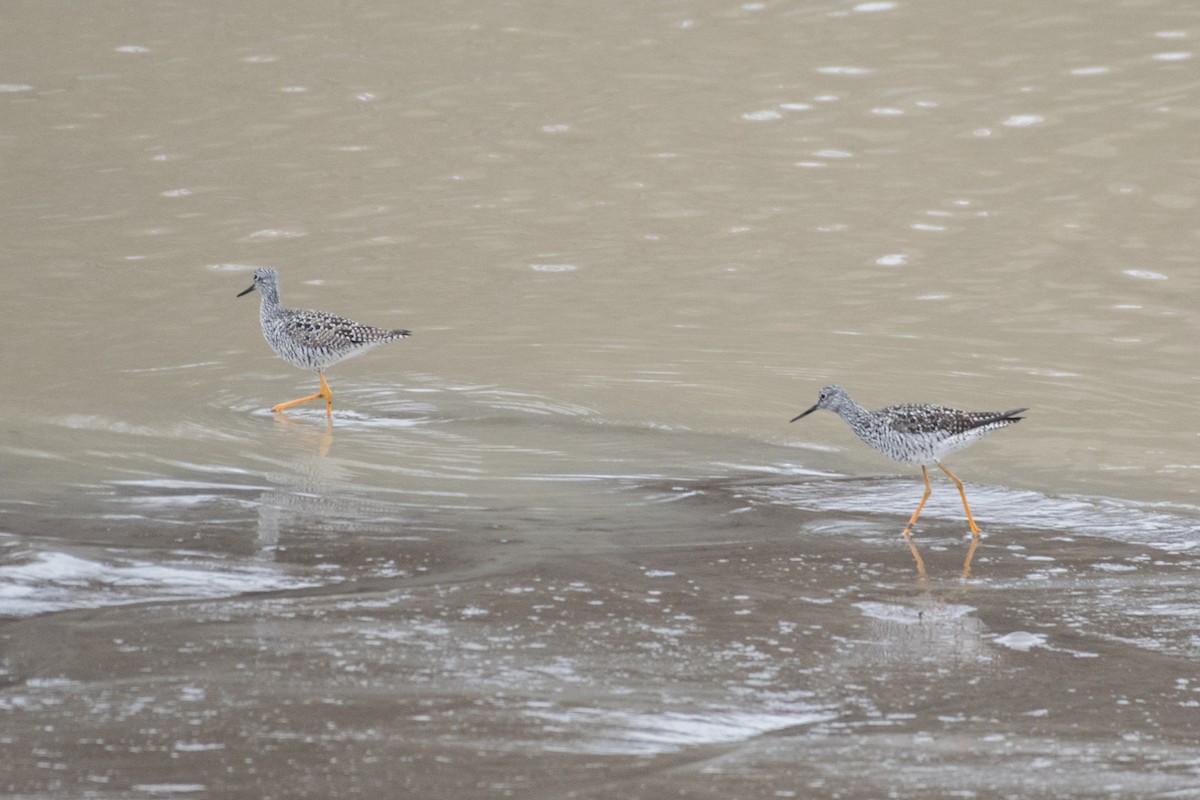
x=246 y=291
x=805 y=414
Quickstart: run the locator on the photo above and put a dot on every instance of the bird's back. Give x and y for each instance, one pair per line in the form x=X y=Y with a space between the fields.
x=925 y=434
x=317 y=340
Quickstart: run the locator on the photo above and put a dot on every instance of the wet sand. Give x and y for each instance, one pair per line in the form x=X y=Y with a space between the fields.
x=751 y=649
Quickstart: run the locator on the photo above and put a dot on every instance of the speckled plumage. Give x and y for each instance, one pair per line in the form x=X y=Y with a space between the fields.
x=916 y=433
x=311 y=339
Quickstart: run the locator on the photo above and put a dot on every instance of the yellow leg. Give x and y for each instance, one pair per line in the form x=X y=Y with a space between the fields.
x=958 y=483
x=325 y=392
x=328 y=395
x=917 y=513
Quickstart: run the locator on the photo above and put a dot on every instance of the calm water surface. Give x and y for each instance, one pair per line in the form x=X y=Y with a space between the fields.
x=563 y=542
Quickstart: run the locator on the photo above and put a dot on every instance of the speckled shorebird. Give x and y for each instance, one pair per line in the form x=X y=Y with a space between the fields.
x=309 y=339
x=917 y=433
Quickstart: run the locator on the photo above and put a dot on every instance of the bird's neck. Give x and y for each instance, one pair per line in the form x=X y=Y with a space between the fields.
x=270 y=300
x=857 y=417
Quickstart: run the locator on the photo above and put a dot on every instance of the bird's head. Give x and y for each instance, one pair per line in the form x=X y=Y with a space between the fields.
x=830 y=398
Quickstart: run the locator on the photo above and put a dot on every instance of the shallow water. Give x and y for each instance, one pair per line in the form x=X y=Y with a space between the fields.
x=563 y=542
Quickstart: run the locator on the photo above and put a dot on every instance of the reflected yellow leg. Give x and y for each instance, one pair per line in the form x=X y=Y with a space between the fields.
x=325 y=392
x=958 y=483
x=917 y=557
x=327 y=437
x=917 y=513
x=970 y=555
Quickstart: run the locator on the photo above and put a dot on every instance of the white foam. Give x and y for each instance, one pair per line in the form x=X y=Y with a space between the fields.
x=1022 y=640
x=56 y=581
x=631 y=733
x=1171 y=528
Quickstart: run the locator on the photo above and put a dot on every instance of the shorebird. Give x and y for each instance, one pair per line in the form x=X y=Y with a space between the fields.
x=309 y=339
x=917 y=433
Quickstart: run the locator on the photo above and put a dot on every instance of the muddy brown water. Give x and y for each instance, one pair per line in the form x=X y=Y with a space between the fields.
x=563 y=542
